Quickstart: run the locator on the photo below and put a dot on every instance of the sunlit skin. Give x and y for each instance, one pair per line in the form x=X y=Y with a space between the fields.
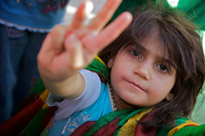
x=141 y=77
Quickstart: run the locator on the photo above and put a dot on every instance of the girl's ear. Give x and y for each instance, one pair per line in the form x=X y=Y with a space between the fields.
x=169 y=97
x=110 y=63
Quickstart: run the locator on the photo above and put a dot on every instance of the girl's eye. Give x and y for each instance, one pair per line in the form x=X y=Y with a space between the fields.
x=136 y=53
x=163 y=68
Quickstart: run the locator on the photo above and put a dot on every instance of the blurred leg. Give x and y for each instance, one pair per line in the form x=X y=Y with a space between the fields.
x=27 y=68
x=11 y=49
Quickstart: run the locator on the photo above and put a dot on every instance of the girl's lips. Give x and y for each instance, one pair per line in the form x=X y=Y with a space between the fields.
x=136 y=86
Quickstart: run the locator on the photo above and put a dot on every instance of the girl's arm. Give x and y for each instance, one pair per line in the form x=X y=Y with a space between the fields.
x=67 y=49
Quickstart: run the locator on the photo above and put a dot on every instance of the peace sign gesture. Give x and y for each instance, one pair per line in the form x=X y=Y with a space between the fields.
x=67 y=49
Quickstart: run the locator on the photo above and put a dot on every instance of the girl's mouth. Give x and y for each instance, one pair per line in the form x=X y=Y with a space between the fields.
x=136 y=86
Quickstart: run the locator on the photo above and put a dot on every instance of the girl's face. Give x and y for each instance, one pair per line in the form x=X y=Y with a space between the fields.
x=143 y=77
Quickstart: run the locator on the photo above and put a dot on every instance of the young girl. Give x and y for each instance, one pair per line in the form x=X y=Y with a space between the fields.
x=150 y=77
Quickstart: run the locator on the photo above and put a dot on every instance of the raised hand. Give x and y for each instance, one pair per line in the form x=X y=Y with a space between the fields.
x=67 y=49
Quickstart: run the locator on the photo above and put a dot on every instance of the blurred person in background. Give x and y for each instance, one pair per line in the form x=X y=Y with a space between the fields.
x=23 y=26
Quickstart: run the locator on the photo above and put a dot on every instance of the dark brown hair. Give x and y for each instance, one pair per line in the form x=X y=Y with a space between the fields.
x=181 y=39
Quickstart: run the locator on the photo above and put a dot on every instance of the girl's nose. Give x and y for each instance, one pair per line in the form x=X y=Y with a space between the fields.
x=143 y=69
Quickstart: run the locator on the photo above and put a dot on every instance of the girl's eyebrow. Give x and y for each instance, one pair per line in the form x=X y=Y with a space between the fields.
x=140 y=46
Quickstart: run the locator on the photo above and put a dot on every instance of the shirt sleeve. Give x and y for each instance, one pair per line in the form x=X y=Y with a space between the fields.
x=67 y=107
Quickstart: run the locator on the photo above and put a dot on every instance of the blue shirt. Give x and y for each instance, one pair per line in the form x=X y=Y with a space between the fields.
x=94 y=102
x=43 y=14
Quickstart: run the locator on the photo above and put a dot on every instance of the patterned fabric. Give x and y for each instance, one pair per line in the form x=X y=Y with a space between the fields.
x=114 y=123
x=124 y=123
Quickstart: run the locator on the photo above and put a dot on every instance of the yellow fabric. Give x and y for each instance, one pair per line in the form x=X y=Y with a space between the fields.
x=129 y=128
x=43 y=97
x=188 y=123
x=98 y=58
x=45 y=106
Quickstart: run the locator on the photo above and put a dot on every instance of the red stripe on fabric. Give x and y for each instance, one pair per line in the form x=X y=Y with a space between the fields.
x=100 y=75
x=83 y=128
x=109 y=129
x=49 y=114
x=191 y=125
x=145 y=131
x=18 y=122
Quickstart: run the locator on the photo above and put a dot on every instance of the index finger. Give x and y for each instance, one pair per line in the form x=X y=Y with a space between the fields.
x=79 y=16
x=104 y=15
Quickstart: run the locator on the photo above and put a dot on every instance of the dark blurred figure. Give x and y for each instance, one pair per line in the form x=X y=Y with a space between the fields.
x=23 y=26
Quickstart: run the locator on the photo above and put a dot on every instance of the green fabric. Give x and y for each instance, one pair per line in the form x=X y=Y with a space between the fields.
x=38 y=88
x=100 y=68
x=45 y=132
x=191 y=131
x=185 y=131
x=34 y=127
x=164 y=130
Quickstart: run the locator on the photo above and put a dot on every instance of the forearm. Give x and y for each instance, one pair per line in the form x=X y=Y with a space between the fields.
x=70 y=88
